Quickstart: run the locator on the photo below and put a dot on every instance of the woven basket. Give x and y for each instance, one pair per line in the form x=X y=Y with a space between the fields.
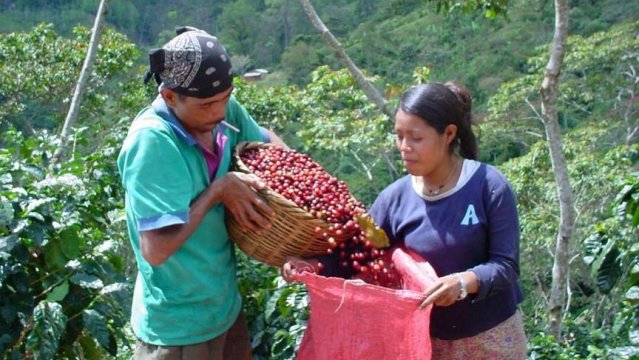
x=293 y=229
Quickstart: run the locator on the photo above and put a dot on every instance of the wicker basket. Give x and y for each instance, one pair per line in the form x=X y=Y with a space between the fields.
x=293 y=229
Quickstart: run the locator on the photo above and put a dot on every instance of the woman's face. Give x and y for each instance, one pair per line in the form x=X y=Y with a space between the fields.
x=422 y=148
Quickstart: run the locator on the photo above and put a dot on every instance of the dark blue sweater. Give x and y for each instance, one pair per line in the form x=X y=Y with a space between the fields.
x=475 y=228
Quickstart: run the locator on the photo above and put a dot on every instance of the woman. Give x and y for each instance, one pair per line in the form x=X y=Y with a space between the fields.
x=460 y=215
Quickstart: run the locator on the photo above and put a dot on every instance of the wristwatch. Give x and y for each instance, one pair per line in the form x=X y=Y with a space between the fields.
x=463 y=290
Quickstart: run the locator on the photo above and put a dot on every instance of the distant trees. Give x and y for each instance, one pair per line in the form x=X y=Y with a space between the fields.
x=388 y=38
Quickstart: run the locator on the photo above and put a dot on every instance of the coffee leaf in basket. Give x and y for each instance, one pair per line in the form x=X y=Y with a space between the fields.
x=373 y=233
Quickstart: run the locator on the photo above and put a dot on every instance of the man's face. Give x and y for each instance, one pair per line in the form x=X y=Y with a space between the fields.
x=198 y=115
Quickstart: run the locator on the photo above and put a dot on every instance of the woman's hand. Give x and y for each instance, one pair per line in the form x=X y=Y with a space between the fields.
x=294 y=266
x=446 y=290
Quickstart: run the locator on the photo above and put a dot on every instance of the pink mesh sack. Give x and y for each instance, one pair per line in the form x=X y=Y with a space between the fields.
x=351 y=319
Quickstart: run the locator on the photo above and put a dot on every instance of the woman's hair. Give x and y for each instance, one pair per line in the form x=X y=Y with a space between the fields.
x=440 y=105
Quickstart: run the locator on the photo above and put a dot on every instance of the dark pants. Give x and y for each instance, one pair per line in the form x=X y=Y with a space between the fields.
x=232 y=345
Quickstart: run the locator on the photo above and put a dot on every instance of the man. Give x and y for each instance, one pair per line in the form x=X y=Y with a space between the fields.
x=174 y=166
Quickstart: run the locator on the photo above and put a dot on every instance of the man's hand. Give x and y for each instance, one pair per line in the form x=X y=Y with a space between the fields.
x=234 y=191
x=239 y=198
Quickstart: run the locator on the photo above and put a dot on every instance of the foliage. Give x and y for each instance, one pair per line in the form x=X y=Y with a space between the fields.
x=300 y=59
x=600 y=254
x=274 y=107
x=277 y=313
x=387 y=38
x=238 y=32
x=39 y=97
x=596 y=81
x=612 y=255
x=62 y=289
x=490 y=8
x=65 y=274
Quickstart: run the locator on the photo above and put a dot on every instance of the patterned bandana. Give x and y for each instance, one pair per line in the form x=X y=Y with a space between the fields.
x=193 y=64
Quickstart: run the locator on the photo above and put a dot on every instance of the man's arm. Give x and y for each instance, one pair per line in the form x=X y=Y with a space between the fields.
x=234 y=191
x=275 y=140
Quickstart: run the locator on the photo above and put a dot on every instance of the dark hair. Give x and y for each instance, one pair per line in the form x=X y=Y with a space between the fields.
x=440 y=105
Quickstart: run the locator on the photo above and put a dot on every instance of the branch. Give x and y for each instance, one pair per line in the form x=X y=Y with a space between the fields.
x=366 y=168
x=371 y=92
x=72 y=115
x=534 y=109
x=392 y=170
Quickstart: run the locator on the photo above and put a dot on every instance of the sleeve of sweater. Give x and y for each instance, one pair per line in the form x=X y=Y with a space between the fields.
x=502 y=268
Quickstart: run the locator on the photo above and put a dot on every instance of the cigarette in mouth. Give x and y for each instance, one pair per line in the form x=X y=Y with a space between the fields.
x=230 y=126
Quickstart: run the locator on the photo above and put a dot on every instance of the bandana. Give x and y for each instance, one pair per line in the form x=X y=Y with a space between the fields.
x=193 y=63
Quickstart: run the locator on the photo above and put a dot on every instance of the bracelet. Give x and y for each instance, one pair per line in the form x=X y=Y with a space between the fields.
x=463 y=290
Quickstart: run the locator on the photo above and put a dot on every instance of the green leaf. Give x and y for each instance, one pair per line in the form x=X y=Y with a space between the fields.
x=36 y=216
x=87 y=281
x=7 y=243
x=635 y=218
x=37 y=233
x=282 y=341
x=49 y=323
x=633 y=294
x=36 y=203
x=625 y=352
x=94 y=322
x=491 y=14
x=9 y=313
x=53 y=255
x=90 y=348
x=70 y=243
x=606 y=269
x=118 y=296
x=6 y=212
x=271 y=305
x=59 y=292
x=633 y=276
x=6 y=178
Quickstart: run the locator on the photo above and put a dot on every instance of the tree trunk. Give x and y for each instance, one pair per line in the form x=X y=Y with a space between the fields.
x=80 y=86
x=549 y=94
x=286 y=23
x=371 y=92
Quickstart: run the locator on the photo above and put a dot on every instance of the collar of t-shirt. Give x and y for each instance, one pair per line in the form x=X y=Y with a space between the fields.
x=468 y=169
x=211 y=157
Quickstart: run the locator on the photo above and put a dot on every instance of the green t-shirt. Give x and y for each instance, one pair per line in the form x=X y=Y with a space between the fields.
x=193 y=296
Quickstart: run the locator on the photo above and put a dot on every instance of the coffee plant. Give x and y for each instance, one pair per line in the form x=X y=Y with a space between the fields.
x=62 y=284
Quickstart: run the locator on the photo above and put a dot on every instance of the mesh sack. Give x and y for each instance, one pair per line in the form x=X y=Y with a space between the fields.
x=350 y=319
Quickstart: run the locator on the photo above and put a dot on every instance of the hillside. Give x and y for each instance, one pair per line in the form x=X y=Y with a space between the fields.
x=276 y=35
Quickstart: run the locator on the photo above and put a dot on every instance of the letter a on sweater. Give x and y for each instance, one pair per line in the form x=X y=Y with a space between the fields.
x=471 y=217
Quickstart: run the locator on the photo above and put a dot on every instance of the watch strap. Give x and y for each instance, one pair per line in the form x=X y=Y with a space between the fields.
x=463 y=289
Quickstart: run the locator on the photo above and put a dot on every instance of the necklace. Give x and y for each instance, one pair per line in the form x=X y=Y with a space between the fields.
x=436 y=191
